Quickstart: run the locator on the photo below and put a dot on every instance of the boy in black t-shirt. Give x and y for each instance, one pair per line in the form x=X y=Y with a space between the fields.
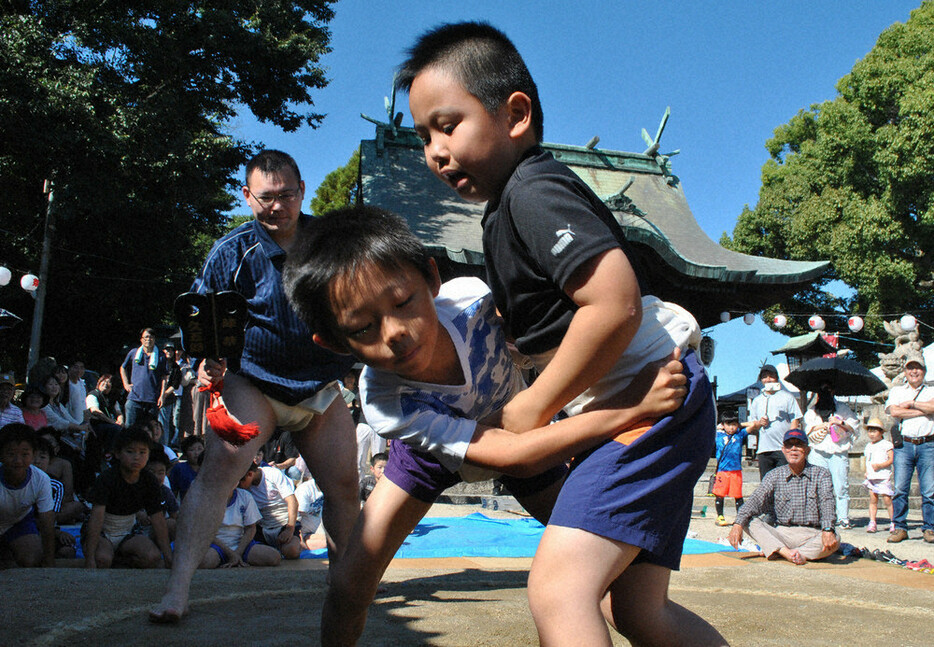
x=563 y=277
x=112 y=532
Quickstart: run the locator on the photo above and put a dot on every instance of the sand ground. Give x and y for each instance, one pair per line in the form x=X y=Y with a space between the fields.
x=461 y=602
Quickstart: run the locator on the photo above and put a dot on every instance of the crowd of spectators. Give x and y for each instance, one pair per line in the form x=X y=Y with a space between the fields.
x=119 y=462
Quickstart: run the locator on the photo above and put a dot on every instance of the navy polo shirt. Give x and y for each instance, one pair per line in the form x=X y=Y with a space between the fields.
x=279 y=356
x=146 y=381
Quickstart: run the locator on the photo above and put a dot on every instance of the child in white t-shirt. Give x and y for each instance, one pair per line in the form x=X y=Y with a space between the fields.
x=879 y=454
x=234 y=544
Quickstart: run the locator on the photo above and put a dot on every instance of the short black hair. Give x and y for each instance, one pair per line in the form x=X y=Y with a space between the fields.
x=158 y=455
x=252 y=468
x=188 y=441
x=16 y=433
x=728 y=416
x=379 y=456
x=271 y=161
x=338 y=244
x=43 y=445
x=130 y=435
x=481 y=58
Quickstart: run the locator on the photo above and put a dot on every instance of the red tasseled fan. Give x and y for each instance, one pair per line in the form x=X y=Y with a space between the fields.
x=223 y=425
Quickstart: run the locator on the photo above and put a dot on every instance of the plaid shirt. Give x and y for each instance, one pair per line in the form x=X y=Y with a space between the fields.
x=803 y=500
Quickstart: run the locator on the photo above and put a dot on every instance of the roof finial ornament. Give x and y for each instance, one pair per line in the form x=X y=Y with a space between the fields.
x=662 y=159
x=395 y=120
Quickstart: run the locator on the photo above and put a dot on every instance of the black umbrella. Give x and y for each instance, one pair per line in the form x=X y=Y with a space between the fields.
x=844 y=375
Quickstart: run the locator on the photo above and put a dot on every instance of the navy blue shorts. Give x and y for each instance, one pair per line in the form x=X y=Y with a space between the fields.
x=420 y=475
x=642 y=493
x=220 y=551
x=25 y=526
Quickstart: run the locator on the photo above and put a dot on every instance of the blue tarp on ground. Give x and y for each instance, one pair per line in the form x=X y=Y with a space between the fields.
x=477 y=535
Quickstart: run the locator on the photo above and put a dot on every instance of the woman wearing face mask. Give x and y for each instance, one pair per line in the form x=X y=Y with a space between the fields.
x=831 y=429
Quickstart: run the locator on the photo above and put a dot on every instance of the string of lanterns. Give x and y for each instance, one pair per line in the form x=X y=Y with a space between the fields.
x=29 y=281
x=816 y=322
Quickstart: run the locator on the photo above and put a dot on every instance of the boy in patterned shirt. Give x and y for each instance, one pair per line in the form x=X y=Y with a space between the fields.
x=438 y=371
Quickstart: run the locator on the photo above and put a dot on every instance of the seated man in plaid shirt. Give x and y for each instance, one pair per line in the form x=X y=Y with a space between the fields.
x=800 y=498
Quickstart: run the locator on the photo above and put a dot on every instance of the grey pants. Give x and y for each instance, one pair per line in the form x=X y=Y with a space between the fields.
x=807 y=541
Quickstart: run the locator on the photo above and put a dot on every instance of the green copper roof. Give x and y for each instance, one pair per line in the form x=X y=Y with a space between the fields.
x=812 y=343
x=685 y=265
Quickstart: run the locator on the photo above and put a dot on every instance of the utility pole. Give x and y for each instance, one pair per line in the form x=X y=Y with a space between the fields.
x=39 y=310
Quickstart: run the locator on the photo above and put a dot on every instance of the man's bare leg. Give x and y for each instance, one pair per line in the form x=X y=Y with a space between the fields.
x=203 y=507
x=329 y=447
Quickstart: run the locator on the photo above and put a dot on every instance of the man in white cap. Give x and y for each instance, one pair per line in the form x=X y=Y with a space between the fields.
x=9 y=412
x=912 y=404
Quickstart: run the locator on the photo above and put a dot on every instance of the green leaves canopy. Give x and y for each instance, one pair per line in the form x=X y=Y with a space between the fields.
x=852 y=179
x=126 y=106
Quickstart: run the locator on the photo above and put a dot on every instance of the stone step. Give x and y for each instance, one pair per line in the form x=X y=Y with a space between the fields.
x=489 y=494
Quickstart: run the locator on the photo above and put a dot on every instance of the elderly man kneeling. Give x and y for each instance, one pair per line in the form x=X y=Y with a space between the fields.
x=800 y=497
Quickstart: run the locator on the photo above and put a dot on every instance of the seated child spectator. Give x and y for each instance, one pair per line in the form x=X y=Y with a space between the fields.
x=368 y=443
x=436 y=362
x=310 y=502
x=60 y=469
x=159 y=464
x=185 y=470
x=64 y=542
x=368 y=482
x=9 y=412
x=32 y=402
x=156 y=430
x=729 y=481
x=234 y=545
x=879 y=454
x=67 y=508
x=275 y=497
x=112 y=533
x=27 y=517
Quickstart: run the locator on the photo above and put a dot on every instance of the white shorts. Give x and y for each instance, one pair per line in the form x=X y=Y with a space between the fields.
x=297 y=417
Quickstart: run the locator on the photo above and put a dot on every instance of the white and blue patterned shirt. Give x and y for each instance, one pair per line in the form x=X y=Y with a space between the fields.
x=440 y=419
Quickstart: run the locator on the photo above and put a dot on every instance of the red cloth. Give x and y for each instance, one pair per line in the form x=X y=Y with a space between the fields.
x=222 y=423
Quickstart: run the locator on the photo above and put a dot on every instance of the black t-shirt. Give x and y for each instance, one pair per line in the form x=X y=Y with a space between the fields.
x=545 y=225
x=119 y=497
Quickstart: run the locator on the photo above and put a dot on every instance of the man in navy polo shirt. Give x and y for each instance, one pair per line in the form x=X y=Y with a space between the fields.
x=283 y=379
x=143 y=374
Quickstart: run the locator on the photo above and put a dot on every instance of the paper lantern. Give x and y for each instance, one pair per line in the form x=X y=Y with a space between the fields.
x=779 y=321
x=908 y=323
x=749 y=318
x=855 y=324
x=724 y=317
x=29 y=282
x=5 y=276
x=816 y=323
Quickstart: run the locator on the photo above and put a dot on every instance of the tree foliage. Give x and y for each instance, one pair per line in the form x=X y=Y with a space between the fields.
x=125 y=106
x=339 y=187
x=852 y=180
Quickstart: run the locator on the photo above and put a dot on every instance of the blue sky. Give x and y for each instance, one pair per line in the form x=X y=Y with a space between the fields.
x=730 y=71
